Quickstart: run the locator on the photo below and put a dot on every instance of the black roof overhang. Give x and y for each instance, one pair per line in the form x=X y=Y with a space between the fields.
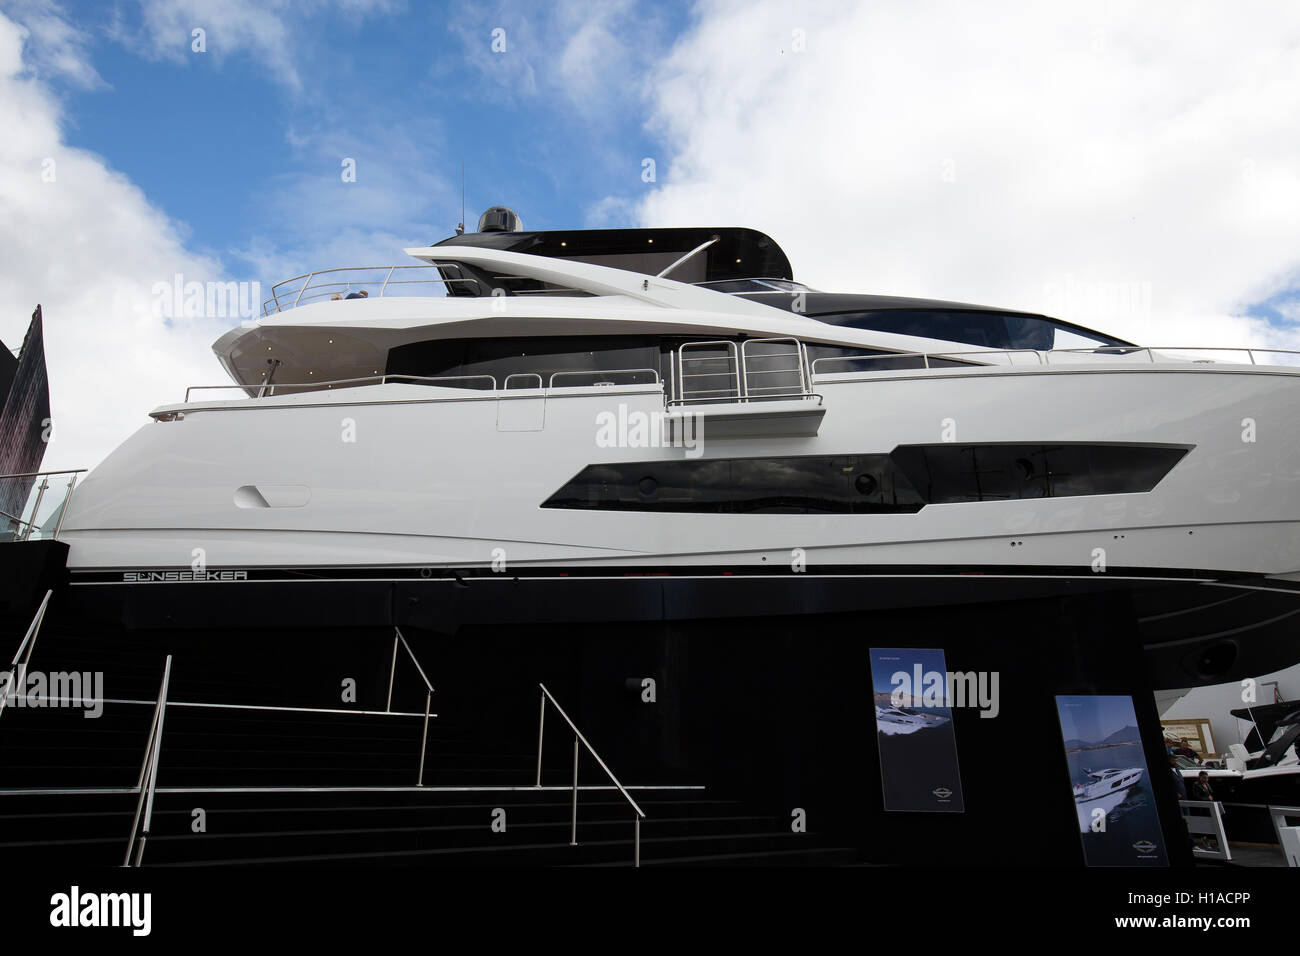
x=1272 y=714
x=738 y=253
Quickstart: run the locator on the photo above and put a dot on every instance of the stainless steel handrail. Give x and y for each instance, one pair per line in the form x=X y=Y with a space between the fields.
x=529 y=375
x=1150 y=351
x=335 y=291
x=152 y=751
x=67 y=500
x=925 y=357
x=18 y=672
x=606 y=371
x=577 y=736
x=738 y=358
x=30 y=525
x=731 y=356
x=798 y=354
x=371 y=379
x=802 y=396
x=428 y=697
x=1044 y=356
x=277 y=295
x=489 y=381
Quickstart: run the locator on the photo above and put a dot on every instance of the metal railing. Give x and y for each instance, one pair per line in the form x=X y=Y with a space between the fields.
x=28 y=524
x=485 y=383
x=1151 y=355
x=607 y=377
x=578 y=738
x=482 y=383
x=756 y=357
x=717 y=363
x=18 y=672
x=149 y=769
x=428 y=697
x=890 y=360
x=348 y=279
x=724 y=371
x=1204 y=820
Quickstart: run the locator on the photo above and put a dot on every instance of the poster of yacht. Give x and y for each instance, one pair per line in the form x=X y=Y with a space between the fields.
x=1111 y=782
x=914 y=731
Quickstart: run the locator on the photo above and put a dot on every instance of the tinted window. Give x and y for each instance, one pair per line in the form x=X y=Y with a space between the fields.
x=952 y=473
x=996 y=330
x=543 y=355
x=903 y=481
x=849 y=484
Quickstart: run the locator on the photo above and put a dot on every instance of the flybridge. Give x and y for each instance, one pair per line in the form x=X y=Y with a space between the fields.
x=479 y=265
x=725 y=253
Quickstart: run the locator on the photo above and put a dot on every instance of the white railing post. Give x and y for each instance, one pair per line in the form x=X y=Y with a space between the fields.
x=392 y=672
x=428 y=698
x=19 y=671
x=145 y=802
x=40 y=495
x=424 y=737
x=577 y=739
x=67 y=501
x=541 y=724
x=573 y=828
x=303 y=288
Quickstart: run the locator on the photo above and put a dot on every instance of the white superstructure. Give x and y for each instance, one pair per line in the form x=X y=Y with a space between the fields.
x=608 y=419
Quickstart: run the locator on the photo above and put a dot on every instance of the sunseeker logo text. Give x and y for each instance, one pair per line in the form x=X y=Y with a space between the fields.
x=922 y=688
x=630 y=428
x=23 y=688
x=76 y=909
x=139 y=577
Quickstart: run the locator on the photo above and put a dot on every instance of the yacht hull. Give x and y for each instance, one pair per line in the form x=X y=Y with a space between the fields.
x=374 y=493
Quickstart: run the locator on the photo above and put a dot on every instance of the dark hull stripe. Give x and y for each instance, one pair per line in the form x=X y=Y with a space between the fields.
x=696 y=572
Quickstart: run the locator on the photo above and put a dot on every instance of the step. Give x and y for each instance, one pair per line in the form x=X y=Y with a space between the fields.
x=613 y=851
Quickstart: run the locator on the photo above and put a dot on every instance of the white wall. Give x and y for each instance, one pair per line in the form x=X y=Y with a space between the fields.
x=1214 y=703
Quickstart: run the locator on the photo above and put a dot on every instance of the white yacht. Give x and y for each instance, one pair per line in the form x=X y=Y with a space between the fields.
x=893 y=721
x=663 y=423
x=1105 y=791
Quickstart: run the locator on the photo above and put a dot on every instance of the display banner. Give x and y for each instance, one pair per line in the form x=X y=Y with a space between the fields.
x=1111 y=782
x=914 y=732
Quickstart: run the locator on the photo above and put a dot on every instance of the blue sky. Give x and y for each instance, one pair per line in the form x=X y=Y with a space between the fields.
x=230 y=147
x=1119 y=165
x=1093 y=719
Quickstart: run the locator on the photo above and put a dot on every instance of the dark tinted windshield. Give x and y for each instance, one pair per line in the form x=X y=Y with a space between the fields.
x=998 y=330
x=742 y=286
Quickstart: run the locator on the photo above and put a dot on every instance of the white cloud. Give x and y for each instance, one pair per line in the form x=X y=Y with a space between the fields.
x=252 y=26
x=1053 y=156
x=264 y=30
x=55 y=45
x=584 y=55
x=612 y=212
x=89 y=247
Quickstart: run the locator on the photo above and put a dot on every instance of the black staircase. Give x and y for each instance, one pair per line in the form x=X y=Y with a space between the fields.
x=264 y=783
